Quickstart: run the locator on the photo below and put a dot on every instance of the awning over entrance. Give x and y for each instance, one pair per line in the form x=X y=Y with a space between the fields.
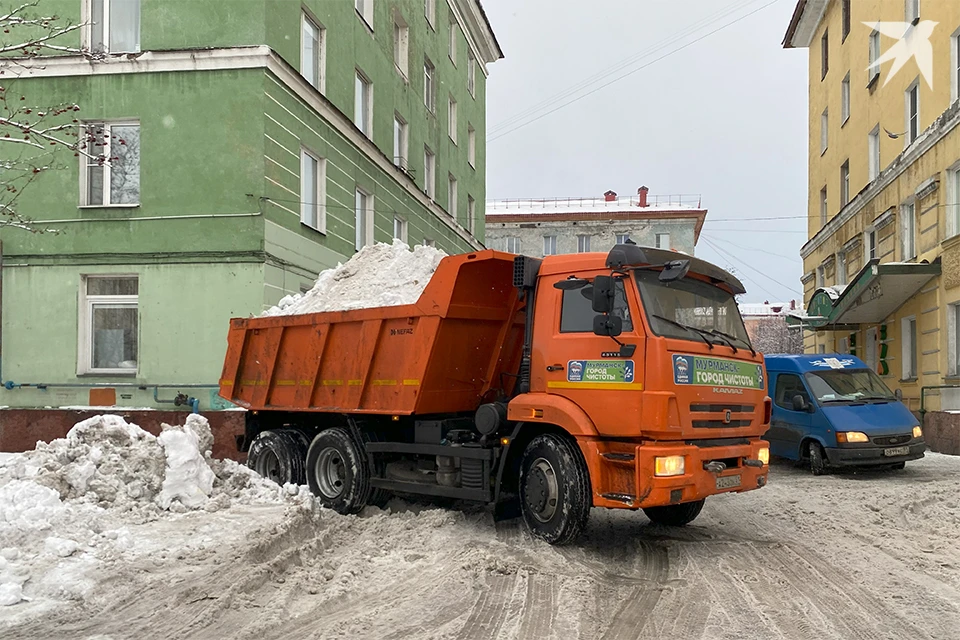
x=873 y=295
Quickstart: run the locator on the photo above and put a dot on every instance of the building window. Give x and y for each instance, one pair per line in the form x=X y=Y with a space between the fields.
x=912 y=100
x=841 y=268
x=401 y=142
x=908 y=230
x=623 y=238
x=471 y=214
x=429 y=173
x=823 y=206
x=471 y=145
x=427 y=242
x=399 y=228
x=824 y=130
x=452 y=46
x=953 y=201
x=583 y=244
x=401 y=45
x=452 y=119
x=365 y=11
x=955 y=65
x=429 y=85
x=471 y=74
x=363 y=107
x=873 y=150
x=512 y=244
x=953 y=330
x=364 y=219
x=312 y=40
x=109 y=324
x=908 y=341
x=430 y=11
x=313 y=191
x=869 y=245
x=824 y=54
x=912 y=10
x=845 y=100
x=821 y=276
x=844 y=184
x=549 y=245
x=663 y=241
x=845 y=19
x=110 y=164
x=114 y=26
x=873 y=69
x=452 y=195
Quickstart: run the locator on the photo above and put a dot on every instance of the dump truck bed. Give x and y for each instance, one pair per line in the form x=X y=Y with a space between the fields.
x=456 y=346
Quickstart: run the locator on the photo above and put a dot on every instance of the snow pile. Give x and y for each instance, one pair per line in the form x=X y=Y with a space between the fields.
x=64 y=505
x=380 y=275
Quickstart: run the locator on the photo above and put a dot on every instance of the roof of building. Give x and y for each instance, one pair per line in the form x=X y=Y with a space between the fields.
x=804 y=22
x=755 y=309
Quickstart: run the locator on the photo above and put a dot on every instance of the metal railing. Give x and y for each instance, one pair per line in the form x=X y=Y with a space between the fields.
x=680 y=201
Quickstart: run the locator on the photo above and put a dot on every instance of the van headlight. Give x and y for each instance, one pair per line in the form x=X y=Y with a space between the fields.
x=668 y=466
x=852 y=436
x=917 y=432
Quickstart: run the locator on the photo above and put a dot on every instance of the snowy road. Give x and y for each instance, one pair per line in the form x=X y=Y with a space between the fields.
x=844 y=556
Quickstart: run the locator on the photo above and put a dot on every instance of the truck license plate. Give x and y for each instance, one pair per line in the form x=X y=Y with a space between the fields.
x=896 y=451
x=727 y=482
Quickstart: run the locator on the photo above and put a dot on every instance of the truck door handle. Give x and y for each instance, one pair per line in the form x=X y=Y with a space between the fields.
x=555 y=367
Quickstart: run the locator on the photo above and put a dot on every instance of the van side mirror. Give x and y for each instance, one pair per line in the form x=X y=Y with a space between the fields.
x=607 y=325
x=898 y=394
x=799 y=404
x=603 y=293
x=675 y=270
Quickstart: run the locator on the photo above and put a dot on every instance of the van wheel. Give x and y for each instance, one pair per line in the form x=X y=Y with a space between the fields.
x=818 y=462
x=279 y=456
x=337 y=472
x=675 y=515
x=555 y=494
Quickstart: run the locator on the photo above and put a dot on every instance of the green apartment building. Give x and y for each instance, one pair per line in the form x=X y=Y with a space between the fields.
x=252 y=144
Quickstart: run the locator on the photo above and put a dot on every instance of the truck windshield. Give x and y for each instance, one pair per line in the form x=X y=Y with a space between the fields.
x=848 y=385
x=690 y=309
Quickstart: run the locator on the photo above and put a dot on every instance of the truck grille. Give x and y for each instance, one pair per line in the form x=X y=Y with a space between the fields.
x=724 y=416
x=720 y=424
x=718 y=408
x=889 y=440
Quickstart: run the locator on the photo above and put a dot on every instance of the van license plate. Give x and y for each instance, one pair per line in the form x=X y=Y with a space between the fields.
x=896 y=451
x=728 y=482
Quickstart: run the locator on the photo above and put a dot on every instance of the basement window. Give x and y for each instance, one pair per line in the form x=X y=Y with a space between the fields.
x=109 y=324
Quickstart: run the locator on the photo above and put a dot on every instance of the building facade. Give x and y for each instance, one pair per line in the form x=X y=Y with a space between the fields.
x=249 y=146
x=882 y=262
x=578 y=225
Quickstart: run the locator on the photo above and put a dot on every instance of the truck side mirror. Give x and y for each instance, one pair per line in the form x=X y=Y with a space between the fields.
x=603 y=293
x=898 y=394
x=675 y=270
x=798 y=403
x=607 y=325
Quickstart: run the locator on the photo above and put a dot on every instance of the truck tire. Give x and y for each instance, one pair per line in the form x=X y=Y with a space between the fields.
x=279 y=456
x=338 y=472
x=555 y=493
x=675 y=515
x=818 y=461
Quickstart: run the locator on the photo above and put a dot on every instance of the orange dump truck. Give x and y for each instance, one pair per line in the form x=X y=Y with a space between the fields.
x=622 y=380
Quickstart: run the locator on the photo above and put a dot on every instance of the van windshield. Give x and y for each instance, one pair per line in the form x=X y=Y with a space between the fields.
x=691 y=309
x=848 y=385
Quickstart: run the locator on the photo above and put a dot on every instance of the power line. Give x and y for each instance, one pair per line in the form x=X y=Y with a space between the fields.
x=630 y=73
x=737 y=246
x=729 y=256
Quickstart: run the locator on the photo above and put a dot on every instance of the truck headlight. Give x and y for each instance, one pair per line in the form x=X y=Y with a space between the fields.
x=852 y=436
x=668 y=466
x=917 y=432
x=764 y=455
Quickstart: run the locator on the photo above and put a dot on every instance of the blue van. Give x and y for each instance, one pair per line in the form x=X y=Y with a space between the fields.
x=832 y=410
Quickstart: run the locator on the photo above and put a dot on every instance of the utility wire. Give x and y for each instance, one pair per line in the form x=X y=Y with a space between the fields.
x=729 y=256
x=769 y=253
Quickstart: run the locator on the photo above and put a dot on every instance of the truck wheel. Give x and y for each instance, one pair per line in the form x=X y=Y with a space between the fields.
x=337 y=472
x=818 y=463
x=279 y=456
x=554 y=489
x=675 y=515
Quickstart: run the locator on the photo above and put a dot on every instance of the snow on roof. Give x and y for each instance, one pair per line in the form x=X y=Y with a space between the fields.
x=673 y=203
x=768 y=308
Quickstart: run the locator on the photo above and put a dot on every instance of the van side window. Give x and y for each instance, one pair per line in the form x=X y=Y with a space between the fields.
x=576 y=315
x=788 y=386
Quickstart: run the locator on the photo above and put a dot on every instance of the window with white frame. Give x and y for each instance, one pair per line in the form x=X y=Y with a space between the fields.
x=471 y=214
x=365 y=11
x=663 y=240
x=912 y=10
x=113 y=26
x=844 y=184
x=312 y=40
x=472 y=74
x=110 y=164
x=452 y=119
x=824 y=54
x=454 y=38
x=821 y=276
x=399 y=228
x=955 y=65
x=313 y=191
x=823 y=206
x=511 y=244
x=908 y=344
x=843 y=345
x=869 y=245
x=873 y=69
x=953 y=201
x=844 y=19
x=363 y=105
x=549 y=245
x=430 y=11
x=401 y=142
x=429 y=173
x=873 y=151
x=109 y=324
x=824 y=130
x=623 y=238
x=841 y=268
x=912 y=108
x=401 y=44
x=364 y=219
x=471 y=145
x=583 y=244
x=845 y=100
x=429 y=85
x=908 y=230
x=452 y=195
x=427 y=242
x=953 y=336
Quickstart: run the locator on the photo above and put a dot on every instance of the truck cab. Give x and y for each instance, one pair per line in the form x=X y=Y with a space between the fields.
x=832 y=410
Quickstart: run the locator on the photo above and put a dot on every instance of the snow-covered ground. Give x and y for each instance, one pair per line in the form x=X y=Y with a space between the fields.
x=114 y=535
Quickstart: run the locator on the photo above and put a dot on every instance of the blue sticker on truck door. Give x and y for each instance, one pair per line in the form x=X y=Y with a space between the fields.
x=600 y=371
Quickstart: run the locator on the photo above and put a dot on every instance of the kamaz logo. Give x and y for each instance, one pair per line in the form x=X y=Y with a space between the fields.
x=401 y=332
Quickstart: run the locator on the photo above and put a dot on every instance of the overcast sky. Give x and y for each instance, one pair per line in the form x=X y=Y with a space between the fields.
x=725 y=117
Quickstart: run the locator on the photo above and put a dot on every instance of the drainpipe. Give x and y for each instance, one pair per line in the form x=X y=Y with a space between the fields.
x=923 y=392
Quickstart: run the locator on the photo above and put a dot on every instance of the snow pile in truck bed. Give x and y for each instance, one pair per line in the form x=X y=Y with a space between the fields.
x=380 y=275
x=64 y=505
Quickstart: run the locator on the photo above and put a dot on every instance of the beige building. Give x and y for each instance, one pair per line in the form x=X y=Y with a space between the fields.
x=882 y=260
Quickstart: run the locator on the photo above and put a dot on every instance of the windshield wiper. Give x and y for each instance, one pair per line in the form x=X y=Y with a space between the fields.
x=732 y=337
x=700 y=332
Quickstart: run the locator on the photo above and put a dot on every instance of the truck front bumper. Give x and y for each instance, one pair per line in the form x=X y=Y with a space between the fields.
x=872 y=456
x=623 y=475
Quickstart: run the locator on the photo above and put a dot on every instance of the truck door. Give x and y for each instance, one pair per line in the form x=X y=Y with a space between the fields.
x=788 y=426
x=571 y=361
